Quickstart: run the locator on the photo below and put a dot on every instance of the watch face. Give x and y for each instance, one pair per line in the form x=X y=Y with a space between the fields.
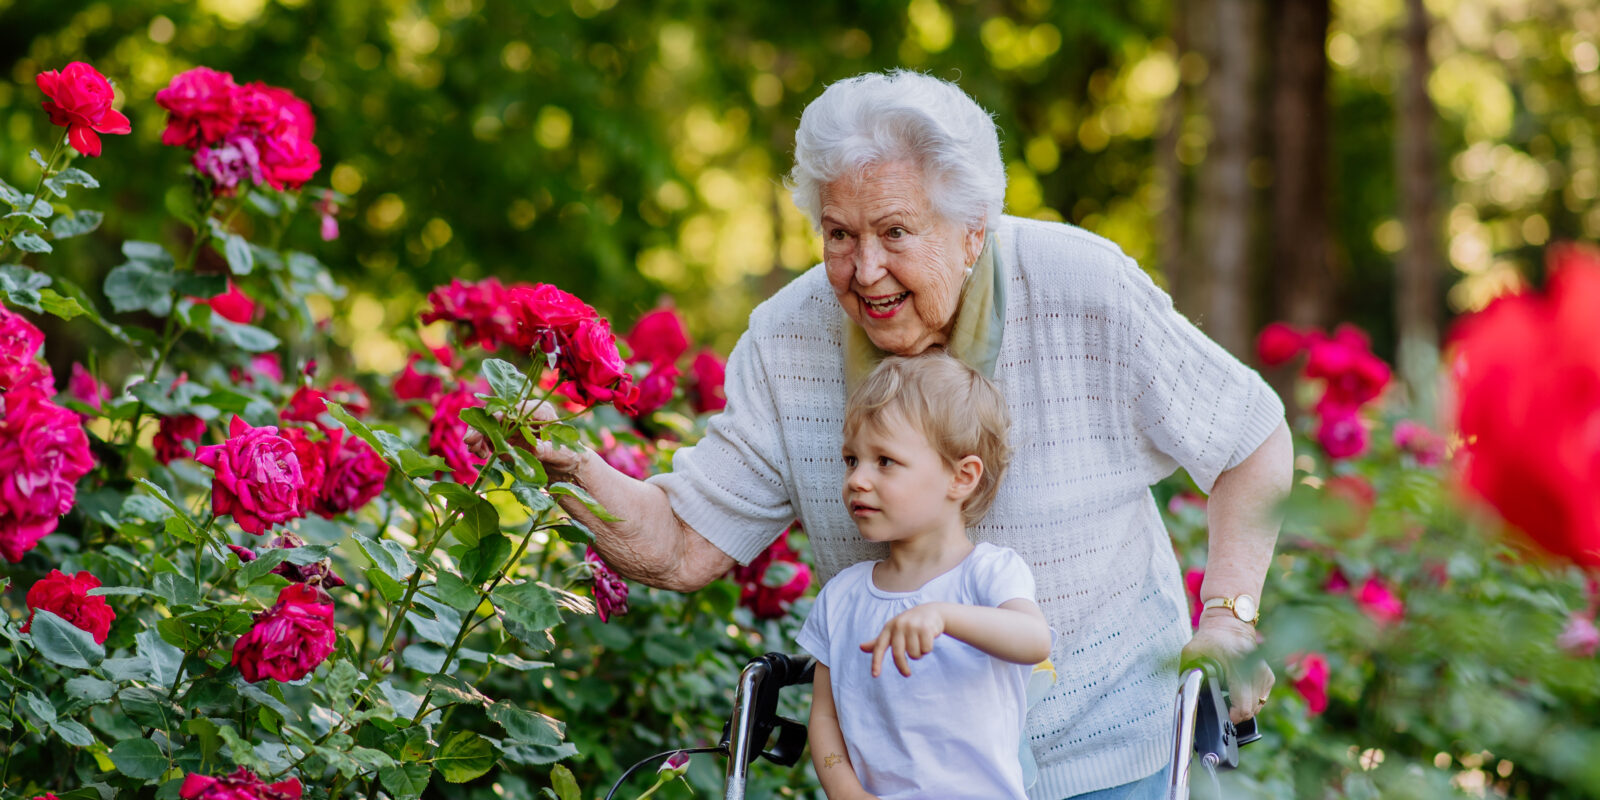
x=1244 y=607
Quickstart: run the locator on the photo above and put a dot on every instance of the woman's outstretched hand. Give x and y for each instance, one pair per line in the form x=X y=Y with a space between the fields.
x=1232 y=644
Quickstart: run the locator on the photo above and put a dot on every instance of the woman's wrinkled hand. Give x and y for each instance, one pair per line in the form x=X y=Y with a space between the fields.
x=559 y=460
x=910 y=635
x=1232 y=643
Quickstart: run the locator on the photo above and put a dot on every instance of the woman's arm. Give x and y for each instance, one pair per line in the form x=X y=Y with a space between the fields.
x=1244 y=513
x=828 y=753
x=1015 y=632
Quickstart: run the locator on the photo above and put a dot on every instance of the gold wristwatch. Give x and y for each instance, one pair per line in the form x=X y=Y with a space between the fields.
x=1243 y=606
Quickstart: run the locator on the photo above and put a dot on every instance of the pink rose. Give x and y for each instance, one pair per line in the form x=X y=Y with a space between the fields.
x=1424 y=445
x=707 y=373
x=591 y=361
x=1309 y=674
x=1279 y=342
x=67 y=596
x=1580 y=638
x=411 y=384
x=1353 y=375
x=84 y=388
x=229 y=163
x=1341 y=433
x=202 y=106
x=771 y=583
x=1379 y=602
x=233 y=305
x=258 y=477
x=80 y=101
x=355 y=475
x=242 y=784
x=19 y=355
x=43 y=453
x=313 y=468
x=173 y=433
x=447 y=437
x=290 y=639
x=658 y=338
x=628 y=459
x=1192 y=579
x=610 y=590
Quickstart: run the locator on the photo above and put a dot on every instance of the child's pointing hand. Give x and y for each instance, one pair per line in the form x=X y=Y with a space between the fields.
x=909 y=635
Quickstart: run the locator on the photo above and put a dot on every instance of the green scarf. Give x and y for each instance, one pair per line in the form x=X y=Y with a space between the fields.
x=975 y=339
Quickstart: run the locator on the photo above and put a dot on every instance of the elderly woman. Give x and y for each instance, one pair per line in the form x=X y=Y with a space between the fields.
x=1110 y=391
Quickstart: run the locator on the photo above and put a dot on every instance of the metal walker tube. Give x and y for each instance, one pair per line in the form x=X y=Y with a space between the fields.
x=739 y=744
x=1183 y=742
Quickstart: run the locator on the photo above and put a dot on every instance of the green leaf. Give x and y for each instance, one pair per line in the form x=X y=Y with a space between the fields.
x=574 y=532
x=9 y=195
x=16 y=276
x=464 y=756
x=21 y=221
x=63 y=643
x=138 y=286
x=390 y=588
x=176 y=589
x=139 y=758
x=389 y=556
x=202 y=286
x=508 y=382
x=73 y=732
x=149 y=709
x=243 y=752
x=528 y=605
x=29 y=242
x=161 y=494
x=71 y=176
x=150 y=253
x=405 y=782
x=77 y=223
x=535 y=755
x=450 y=690
x=90 y=690
x=40 y=706
x=456 y=593
x=341 y=681
x=237 y=251
x=583 y=496
x=417 y=465
x=565 y=785
x=482 y=562
x=163 y=659
x=50 y=302
x=265 y=561
x=180 y=633
x=529 y=727
x=206 y=734
x=478 y=516
x=38 y=158
x=248 y=338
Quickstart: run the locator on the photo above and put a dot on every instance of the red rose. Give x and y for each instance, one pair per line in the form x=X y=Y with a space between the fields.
x=658 y=338
x=80 y=101
x=707 y=373
x=1309 y=673
x=1527 y=372
x=771 y=583
x=610 y=590
x=346 y=393
x=242 y=784
x=290 y=639
x=355 y=475
x=545 y=317
x=172 y=434
x=233 y=305
x=447 y=437
x=481 y=310
x=1341 y=433
x=628 y=459
x=202 y=106
x=1379 y=602
x=591 y=361
x=305 y=405
x=258 y=477
x=411 y=384
x=43 y=453
x=19 y=356
x=313 y=468
x=1352 y=373
x=655 y=390
x=1192 y=579
x=67 y=596
x=1279 y=342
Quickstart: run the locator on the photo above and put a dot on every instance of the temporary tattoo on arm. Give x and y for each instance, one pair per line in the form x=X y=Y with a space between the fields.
x=832 y=760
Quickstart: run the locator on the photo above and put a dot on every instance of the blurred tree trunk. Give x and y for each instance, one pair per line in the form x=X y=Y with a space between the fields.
x=1176 y=263
x=1417 y=304
x=1225 y=195
x=1302 y=283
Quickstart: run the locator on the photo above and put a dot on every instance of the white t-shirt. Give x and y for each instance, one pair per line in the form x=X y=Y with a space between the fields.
x=953 y=729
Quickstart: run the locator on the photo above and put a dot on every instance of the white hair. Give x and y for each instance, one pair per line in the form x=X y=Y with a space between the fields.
x=880 y=118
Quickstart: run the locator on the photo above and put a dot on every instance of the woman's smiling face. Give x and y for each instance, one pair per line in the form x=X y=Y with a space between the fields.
x=895 y=264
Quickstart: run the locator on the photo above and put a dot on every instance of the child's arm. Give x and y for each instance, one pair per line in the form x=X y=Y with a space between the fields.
x=1015 y=632
x=828 y=753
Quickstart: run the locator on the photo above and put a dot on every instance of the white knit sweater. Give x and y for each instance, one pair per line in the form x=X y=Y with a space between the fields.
x=1110 y=391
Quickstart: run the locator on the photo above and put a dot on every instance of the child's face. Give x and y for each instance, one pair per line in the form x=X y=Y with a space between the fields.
x=896 y=485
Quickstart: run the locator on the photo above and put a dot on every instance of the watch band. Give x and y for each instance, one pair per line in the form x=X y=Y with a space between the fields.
x=1233 y=604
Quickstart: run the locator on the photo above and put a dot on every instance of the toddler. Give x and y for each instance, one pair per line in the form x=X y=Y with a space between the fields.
x=924 y=449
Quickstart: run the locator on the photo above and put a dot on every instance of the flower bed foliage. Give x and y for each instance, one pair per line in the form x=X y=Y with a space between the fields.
x=234 y=574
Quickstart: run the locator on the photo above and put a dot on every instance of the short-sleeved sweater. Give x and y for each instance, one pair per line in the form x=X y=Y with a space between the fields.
x=1110 y=390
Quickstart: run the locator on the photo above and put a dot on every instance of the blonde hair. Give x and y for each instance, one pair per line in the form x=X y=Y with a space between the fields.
x=961 y=413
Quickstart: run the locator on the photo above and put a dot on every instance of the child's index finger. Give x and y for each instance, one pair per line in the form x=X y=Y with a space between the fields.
x=875 y=647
